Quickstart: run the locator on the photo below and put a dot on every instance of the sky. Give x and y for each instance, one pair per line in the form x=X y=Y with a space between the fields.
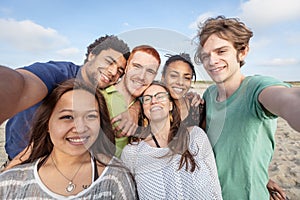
x=40 y=31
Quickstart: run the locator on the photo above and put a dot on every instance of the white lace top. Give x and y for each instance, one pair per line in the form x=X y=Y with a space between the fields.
x=23 y=182
x=158 y=177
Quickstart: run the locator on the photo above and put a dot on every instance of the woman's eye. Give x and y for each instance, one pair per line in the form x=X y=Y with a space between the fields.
x=66 y=117
x=92 y=116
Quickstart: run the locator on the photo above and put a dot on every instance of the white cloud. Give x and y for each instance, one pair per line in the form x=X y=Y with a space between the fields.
x=282 y=62
x=201 y=18
x=261 y=13
x=29 y=36
x=125 y=24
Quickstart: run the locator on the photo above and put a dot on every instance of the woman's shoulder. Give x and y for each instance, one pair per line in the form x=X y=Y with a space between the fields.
x=132 y=147
x=196 y=130
x=19 y=172
x=197 y=135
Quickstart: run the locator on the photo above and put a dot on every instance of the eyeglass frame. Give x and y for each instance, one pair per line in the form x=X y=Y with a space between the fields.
x=166 y=94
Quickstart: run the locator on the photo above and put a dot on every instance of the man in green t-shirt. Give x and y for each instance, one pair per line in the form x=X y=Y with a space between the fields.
x=141 y=69
x=241 y=111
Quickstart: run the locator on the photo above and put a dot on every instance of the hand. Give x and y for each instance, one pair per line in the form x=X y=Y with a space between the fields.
x=126 y=123
x=276 y=192
x=194 y=98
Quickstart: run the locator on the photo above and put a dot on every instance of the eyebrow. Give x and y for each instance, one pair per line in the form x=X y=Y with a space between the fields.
x=111 y=59
x=70 y=110
x=216 y=49
x=137 y=64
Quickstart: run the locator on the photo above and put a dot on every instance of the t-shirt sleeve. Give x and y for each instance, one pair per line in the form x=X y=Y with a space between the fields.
x=53 y=73
x=255 y=86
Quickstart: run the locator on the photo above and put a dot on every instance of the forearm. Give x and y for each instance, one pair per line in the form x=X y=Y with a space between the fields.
x=11 y=86
x=283 y=102
x=291 y=109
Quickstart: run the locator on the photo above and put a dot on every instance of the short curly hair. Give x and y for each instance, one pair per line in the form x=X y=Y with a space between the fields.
x=107 y=42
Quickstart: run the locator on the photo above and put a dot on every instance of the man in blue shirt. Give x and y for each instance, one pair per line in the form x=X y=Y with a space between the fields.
x=22 y=90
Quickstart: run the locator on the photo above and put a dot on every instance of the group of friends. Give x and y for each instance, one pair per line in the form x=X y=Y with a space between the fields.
x=109 y=130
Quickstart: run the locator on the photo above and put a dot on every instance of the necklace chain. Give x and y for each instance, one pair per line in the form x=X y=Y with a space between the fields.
x=71 y=186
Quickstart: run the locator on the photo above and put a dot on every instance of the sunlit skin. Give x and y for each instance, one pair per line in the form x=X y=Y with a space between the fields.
x=157 y=112
x=221 y=60
x=178 y=78
x=140 y=72
x=104 y=69
x=73 y=127
x=74 y=123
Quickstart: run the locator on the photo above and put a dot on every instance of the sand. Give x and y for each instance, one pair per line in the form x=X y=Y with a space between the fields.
x=285 y=165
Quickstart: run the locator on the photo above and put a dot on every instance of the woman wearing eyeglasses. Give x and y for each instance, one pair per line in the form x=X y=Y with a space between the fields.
x=169 y=160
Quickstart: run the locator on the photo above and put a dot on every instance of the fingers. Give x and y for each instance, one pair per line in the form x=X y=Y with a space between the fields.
x=276 y=192
x=125 y=128
x=274 y=195
x=116 y=119
x=196 y=100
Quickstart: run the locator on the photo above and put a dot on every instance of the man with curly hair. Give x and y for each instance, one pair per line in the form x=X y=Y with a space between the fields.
x=22 y=90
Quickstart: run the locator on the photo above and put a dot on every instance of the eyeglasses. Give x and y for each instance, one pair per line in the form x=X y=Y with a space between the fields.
x=160 y=96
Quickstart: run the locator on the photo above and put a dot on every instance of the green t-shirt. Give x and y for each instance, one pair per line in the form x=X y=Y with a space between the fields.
x=116 y=105
x=241 y=133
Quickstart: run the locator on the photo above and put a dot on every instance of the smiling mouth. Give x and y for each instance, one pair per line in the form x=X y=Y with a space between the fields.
x=78 y=140
x=177 y=90
x=104 y=77
x=155 y=108
x=217 y=69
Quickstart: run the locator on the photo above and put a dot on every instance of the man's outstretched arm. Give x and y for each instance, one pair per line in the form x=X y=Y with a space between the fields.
x=19 y=89
x=284 y=102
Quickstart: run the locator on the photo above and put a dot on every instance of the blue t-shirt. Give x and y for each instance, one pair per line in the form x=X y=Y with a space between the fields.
x=17 y=128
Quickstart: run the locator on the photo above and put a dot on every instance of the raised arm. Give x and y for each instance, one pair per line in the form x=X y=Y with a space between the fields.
x=19 y=89
x=283 y=102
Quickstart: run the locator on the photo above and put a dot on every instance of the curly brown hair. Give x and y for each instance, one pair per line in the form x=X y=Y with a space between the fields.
x=230 y=29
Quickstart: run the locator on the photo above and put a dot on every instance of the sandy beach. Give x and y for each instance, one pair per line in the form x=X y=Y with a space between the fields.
x=284 y=168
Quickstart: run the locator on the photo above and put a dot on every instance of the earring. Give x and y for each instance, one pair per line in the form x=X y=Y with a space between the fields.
x=145 y=122
x=171 y=117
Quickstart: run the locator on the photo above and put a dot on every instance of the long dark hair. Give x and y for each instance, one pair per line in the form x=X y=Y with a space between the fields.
x=41 y=144
x=178 y=138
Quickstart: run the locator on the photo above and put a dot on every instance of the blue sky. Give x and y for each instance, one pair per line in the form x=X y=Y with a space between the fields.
x=34 y=30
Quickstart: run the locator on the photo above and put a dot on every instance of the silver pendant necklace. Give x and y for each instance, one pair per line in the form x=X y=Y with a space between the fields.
x=71 y=186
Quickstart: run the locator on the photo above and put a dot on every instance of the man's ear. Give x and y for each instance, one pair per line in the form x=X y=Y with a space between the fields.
x=91 y=56
x=243 y=53
x=126 y=68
